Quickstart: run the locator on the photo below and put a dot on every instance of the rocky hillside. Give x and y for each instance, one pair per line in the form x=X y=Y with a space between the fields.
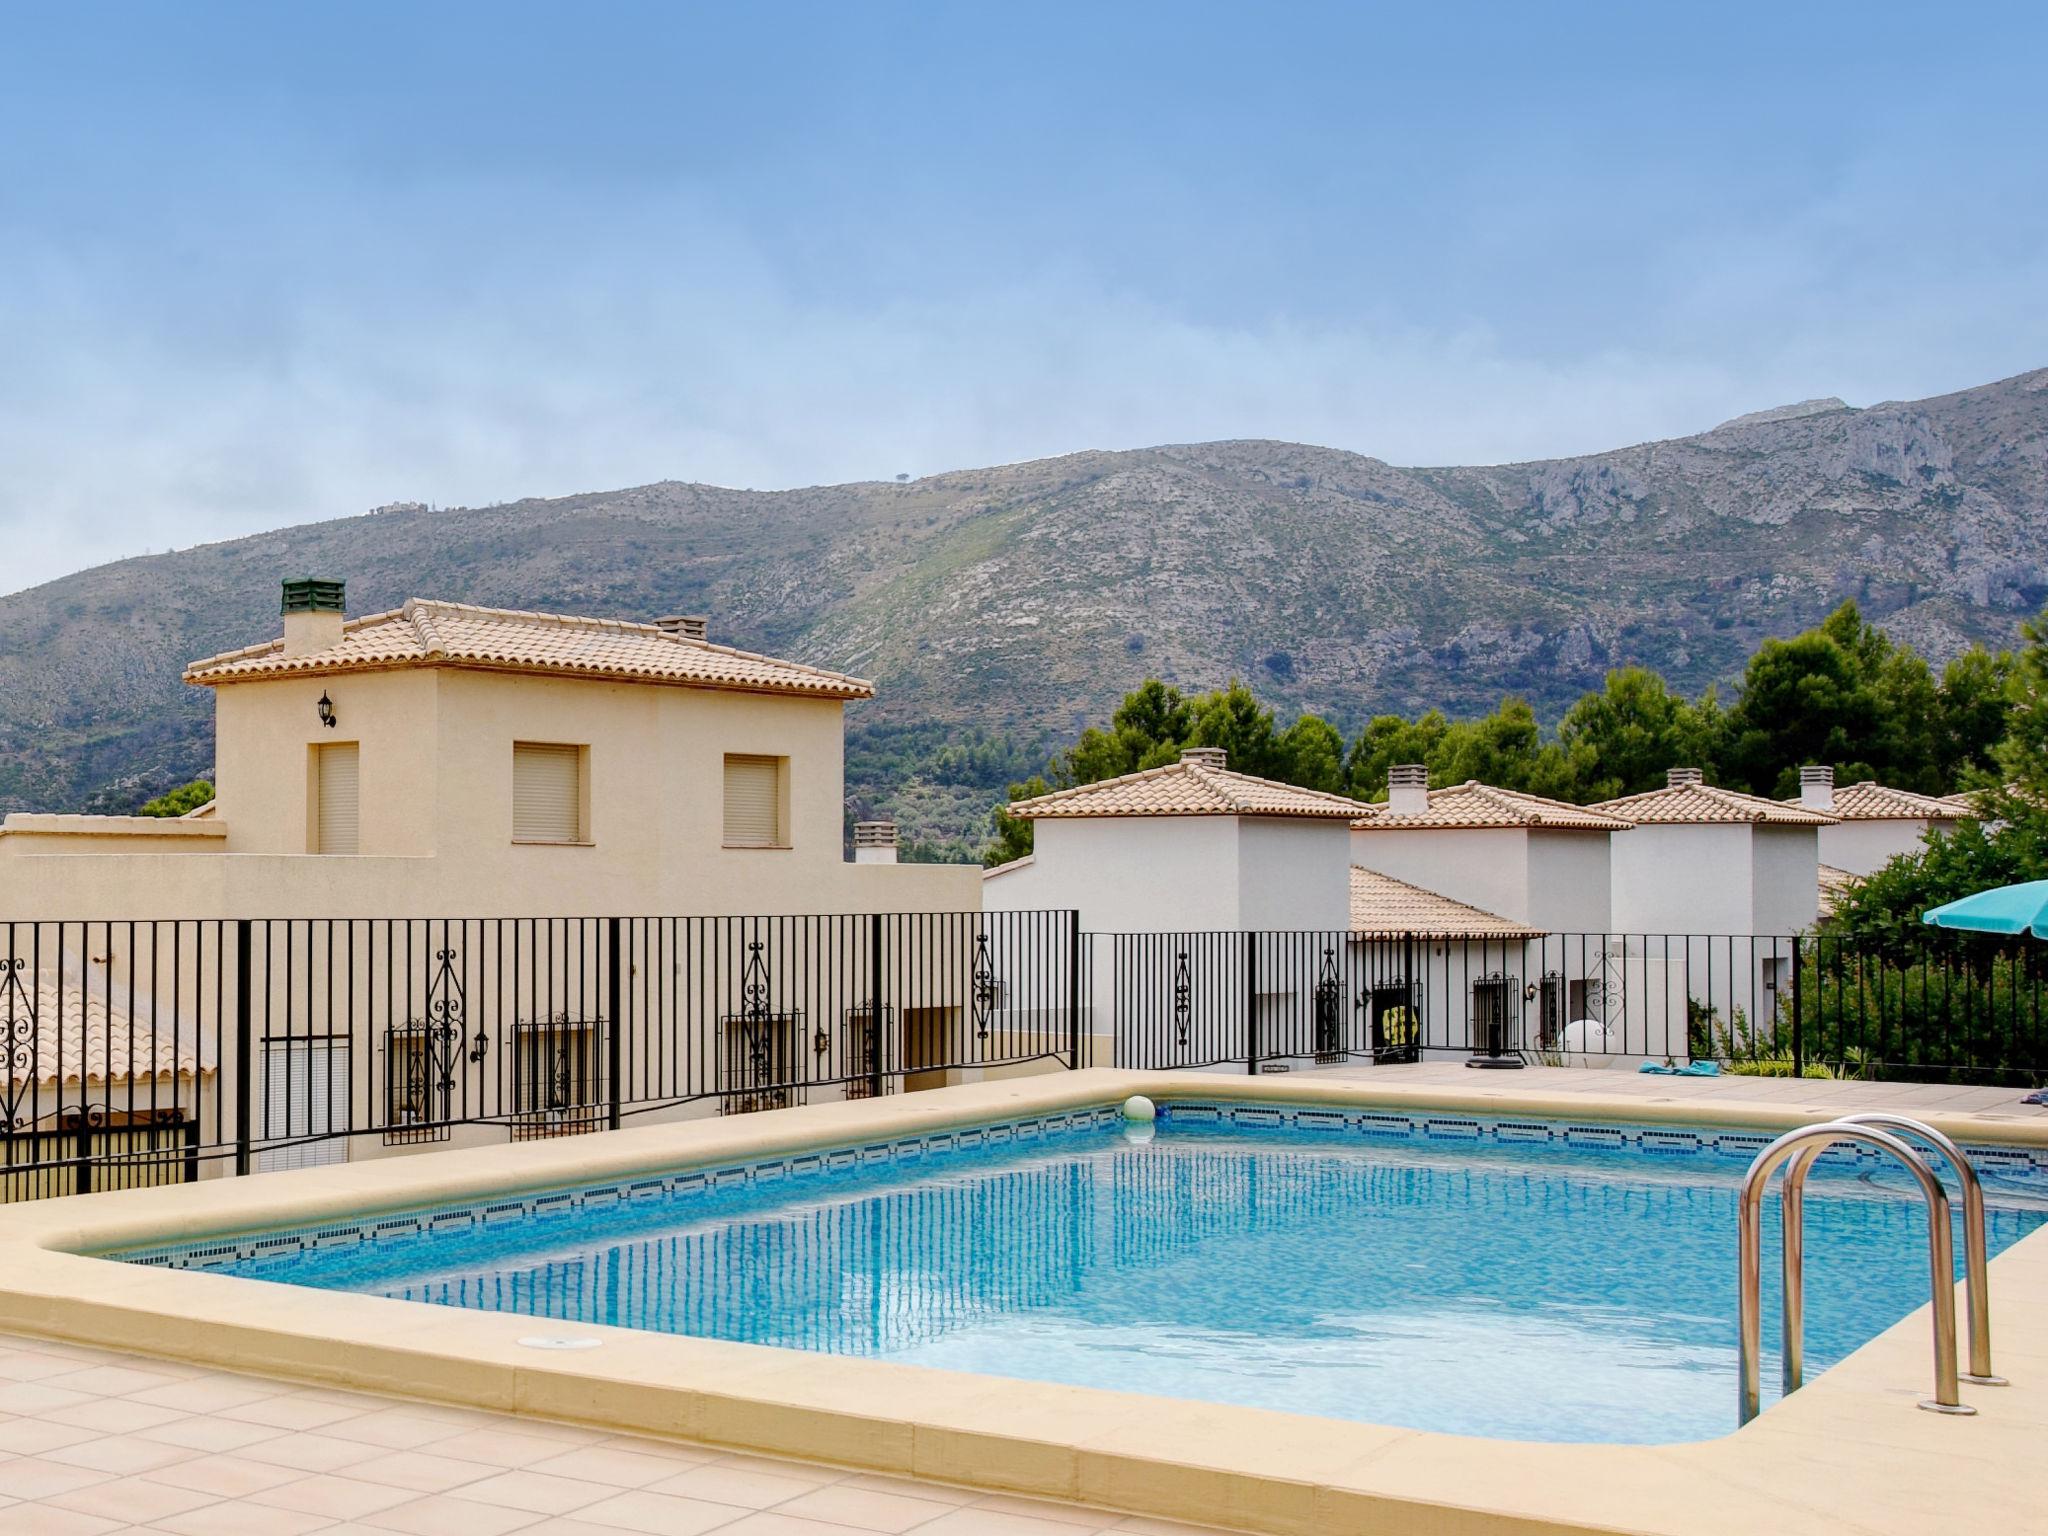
x=1001 y=608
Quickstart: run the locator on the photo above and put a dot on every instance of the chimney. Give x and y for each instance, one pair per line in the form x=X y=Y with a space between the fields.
x=684 y=626
x=1817 y=787
x=1206 y=757
x=874 y=842
x=1407 y=789
x=312 y=615
x=1675 y=778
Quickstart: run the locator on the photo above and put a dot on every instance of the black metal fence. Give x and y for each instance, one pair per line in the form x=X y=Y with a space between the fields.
x=1921 y=1005
x=147 y=1052
x=142 y=1052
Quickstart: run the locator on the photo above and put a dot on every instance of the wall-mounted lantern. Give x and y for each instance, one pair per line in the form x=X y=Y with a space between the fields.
x=325 y=709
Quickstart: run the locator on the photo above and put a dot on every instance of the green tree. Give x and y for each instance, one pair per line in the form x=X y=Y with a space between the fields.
x=1013 y=838
x=1976 y=700
x=1633 y=729
x=1387 y=740
x=1313 y=751
x=1148 y=729
x=1232 y=718
x=176 y=802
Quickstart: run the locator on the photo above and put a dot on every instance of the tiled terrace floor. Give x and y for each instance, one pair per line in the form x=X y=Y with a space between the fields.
x=1791 y=1092
x=93 y=1442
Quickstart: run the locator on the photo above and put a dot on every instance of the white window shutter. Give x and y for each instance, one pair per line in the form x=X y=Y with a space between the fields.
x=305 y=1093
x=753 y=802
x=339 y=797
x=547 y=793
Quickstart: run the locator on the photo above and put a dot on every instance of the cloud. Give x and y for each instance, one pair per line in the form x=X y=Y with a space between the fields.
x=452 y=350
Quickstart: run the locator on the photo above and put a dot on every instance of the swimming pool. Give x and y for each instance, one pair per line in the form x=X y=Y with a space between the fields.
x=1514 y=1278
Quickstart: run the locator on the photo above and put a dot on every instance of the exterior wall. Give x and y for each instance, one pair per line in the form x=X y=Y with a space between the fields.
x=1487 y=868
x=1685 y=879
x=1570 y=881
x=1130 y=874
x=24 y=833
x=1293 y=873
x=1785 y=879
x=436 y=797
x=1863 y=847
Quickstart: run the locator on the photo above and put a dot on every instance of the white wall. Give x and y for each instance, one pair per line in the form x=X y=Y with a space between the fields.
x=1487 y=868
x=1785 y=879
x=1129 y=874
x=1684 y=879
x=1570 y=880
x=1293 y=873
x=1862 y=847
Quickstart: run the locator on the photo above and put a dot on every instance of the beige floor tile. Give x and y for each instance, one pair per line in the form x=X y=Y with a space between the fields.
x=112 y=1380
x=310 y=1452
x=773 y=1522
x=115 y=1415
x=720 y=1483
x=608 y=1465
x=33 y=1365
x=1146 y=1525
x=864 y=1508
x=48 y=1520
x=658 y=1514
x=977 y=1520
x=228 y=1477
x=290 y=1412
x=31 y=1477
x=1039 y=1509
x=119 y=1453
x=201 y=1432
x=28 y=1437
x=538 y=1492
x=398 y=1428
x=332 y=1495
x=441 y=1515
x=499 y=1447
x=779 y=1466
x=209 y=1394
x=235 y=1518
x=131 y=1500
x=680 y=1452
x=33 y=1398
x=911 y=1488
x=421 y=1471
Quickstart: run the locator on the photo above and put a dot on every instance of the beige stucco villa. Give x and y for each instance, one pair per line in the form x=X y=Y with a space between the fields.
x=442 y=759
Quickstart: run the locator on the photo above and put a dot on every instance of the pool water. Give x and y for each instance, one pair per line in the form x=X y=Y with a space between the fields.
x=1539 y=1292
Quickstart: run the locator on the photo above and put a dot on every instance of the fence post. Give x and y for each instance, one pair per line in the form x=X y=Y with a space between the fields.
x=1074 y=990
x=82 y=1179
x=1798 y=1023
x=875 y=1004
x=1251 y=1004
x=244 y=1047
x=615 y=1037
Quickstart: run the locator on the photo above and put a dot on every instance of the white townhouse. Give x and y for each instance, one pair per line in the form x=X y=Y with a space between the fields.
x=1874 y=823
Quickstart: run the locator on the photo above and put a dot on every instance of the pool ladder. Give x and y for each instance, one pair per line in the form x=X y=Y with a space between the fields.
x=1888 y=1133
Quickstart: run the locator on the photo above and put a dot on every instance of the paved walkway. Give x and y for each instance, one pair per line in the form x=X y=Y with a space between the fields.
x=1818 y=1093
x=92 y=1442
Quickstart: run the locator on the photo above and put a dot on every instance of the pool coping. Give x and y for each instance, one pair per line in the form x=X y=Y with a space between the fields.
x=1846 y=1455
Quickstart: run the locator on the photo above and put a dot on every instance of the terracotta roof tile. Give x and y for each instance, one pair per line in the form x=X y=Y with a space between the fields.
x=1473 y=804
x=1683 y=804
x=1871 y=801
x=1380 y=904
x=432 y=634
x=1834 y=885
x=82 y=1036
x=1188 y=789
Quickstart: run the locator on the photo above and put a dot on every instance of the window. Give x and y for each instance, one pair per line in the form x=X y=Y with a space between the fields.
x=753 y=802
x=547 y=793
x=305 y=1094
x=556 y=1081
x=335 y=798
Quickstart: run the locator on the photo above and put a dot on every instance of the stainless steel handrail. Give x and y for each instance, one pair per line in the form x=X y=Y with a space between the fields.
x=1940 y=1260
x=1976 y=1259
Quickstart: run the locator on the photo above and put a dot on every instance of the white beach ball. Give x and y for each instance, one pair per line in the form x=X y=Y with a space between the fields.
x=1138 y=1107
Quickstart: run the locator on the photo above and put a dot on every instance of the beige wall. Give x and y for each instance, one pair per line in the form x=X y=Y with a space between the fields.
x=436 y=810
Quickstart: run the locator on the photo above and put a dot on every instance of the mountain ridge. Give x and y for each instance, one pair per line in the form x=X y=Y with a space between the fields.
x=1011 y=604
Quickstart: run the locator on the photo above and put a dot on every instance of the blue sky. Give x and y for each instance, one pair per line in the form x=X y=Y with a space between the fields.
x=266 y=264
